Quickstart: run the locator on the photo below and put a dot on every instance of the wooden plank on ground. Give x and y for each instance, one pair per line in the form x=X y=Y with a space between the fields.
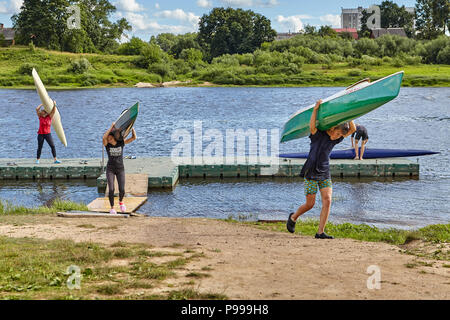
x=90 y=214
x=135 y=184
x=102 y=204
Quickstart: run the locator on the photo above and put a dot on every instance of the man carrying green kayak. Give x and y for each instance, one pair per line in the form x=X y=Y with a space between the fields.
x=316 y=170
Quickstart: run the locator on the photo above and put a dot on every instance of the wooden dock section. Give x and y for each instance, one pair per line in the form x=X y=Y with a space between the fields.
x=102 y=204
x=161 y=172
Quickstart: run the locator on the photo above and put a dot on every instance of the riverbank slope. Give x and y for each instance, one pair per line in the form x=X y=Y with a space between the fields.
x=63 y=70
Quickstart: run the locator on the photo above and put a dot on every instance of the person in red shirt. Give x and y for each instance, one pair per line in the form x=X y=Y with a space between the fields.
x=44 y=133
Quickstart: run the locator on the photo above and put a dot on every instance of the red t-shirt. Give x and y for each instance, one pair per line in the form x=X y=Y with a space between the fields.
x=45 y=124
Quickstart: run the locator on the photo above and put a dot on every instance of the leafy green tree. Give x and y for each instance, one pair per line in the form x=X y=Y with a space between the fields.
x=165 y=40
x=432 y=18
x=346 y=35
x=311 y=30
x=327 y=31
x=45 y=23
x=133 y=47
x=393 y=16
x=364 y=32
x=182 y=42
x=191 y=55
x=233 y=31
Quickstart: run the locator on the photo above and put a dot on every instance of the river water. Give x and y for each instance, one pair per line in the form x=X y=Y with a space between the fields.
x=418 y=119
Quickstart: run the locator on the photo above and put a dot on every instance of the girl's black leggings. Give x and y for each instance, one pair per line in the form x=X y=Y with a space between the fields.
x=120 y=174
x=48 y=138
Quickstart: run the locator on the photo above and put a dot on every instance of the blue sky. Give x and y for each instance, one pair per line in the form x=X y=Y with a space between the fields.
x=151 y=17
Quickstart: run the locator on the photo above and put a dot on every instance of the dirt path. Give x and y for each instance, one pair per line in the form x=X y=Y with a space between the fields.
x=248 y=263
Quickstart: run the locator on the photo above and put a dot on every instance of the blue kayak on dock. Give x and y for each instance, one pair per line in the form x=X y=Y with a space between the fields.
x=368 y=153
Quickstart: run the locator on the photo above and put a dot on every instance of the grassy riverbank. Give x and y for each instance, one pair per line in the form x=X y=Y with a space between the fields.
x=7 y=208
x=68 y=70
x=438 y=233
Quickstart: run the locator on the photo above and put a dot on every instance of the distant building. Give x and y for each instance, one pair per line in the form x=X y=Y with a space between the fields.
x=352 y=31
x=286 y=35
x=375 y=33
x=9 y=34
x=351 y=18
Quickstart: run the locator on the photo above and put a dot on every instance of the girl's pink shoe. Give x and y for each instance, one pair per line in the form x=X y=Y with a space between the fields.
x=122 y=207
x=112 y=211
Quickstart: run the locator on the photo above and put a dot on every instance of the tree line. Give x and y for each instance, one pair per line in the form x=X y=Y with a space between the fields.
x=234 y=46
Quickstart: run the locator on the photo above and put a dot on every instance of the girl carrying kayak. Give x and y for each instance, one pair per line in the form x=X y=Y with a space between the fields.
x=316 y=171
x=44 y=133
x=114 y=143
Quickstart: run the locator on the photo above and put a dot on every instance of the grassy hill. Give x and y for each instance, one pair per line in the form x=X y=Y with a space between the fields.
x=61 y=70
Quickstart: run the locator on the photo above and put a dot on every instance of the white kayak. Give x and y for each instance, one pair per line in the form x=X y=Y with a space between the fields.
x=48 y=106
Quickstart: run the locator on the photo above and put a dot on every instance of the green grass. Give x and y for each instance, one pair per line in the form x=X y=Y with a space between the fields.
x=6 y=208
x=119 y=71
x=36 y=269
x=439 y=233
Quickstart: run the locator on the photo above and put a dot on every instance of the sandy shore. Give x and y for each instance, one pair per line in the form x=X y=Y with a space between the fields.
x=249 y=263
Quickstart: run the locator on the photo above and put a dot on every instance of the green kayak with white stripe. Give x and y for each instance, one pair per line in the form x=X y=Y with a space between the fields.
x=126 y=120
x=346 y=105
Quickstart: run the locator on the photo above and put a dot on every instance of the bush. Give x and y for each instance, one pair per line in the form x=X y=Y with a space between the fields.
x=134 y=47
x=79 y=66
x=150 y=54
x=227 y=59
x=191 y=55
x=354 y=73
x=163 y=69
x=433 y=48
x=246 y=59
x=27 y=68
x=409 y=60
x=366 y=46
x=89 y=80
x=371 y=60
x=398 y=62
x=444 y=55
x=387 y=60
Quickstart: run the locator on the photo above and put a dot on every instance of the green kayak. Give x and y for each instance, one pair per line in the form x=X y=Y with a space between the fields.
x=351 y=103
x=126 y=120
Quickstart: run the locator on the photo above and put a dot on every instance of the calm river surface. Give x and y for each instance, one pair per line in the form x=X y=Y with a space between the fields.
x=418 y=119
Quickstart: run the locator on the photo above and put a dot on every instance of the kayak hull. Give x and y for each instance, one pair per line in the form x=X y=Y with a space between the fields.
x=48 y=106
x=126 y=120
x=368 y=154
x=346 y=105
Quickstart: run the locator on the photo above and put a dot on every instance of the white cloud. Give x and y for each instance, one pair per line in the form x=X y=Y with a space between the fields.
x=293 y=23
x=11 y=6
x=3 y=8
x=142 y=23
x=251 y=3
x=157 y=6
x=331 y=19
x=129 y=6
x=178 y=14
x=204 y=3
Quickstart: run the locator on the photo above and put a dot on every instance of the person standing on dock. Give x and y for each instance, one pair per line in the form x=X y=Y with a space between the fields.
x=114 y=143
x=44 y=133
x=360 y=133
x=316 y=171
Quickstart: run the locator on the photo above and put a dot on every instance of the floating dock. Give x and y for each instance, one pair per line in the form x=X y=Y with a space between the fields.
x=162 y=172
